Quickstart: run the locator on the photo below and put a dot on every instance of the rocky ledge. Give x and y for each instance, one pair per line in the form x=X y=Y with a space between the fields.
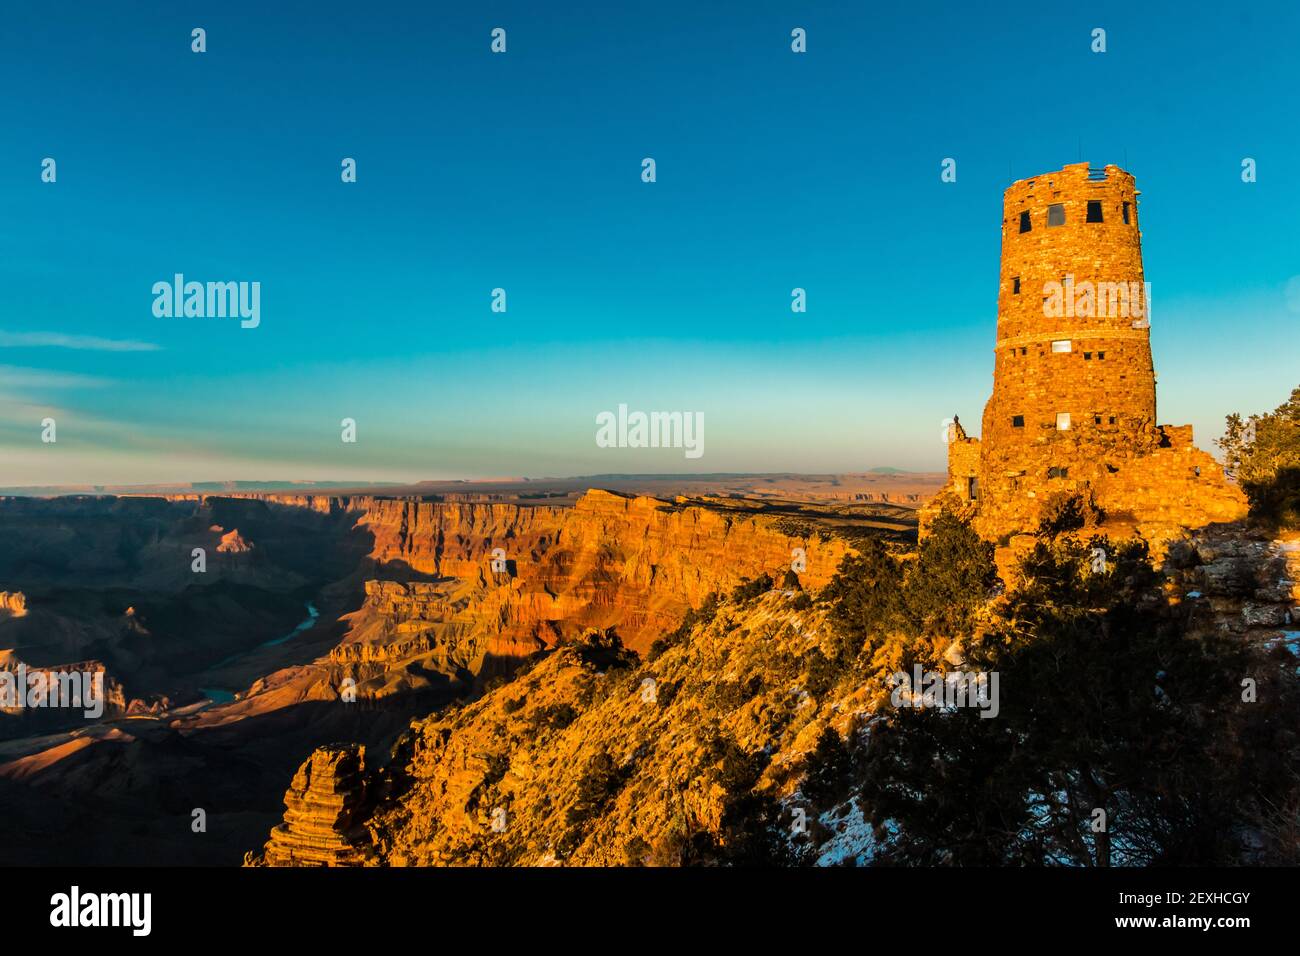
x=324 y=806
x=1239 y=581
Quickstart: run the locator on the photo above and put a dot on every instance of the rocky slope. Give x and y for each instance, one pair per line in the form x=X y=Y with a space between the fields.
x=690 y=753
x=589 y=758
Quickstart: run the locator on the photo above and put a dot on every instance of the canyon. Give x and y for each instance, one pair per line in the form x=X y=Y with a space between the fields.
x=421 y=603
x=461 y=662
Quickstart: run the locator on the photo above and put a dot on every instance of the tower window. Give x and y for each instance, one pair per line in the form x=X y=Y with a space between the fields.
x=1094 y=210
x=1015 y=286
x=1126 y=214
x=1101 y=356
x=1017 y=421
x=1063 y=421
x=972 y=489
x=1096 y=419
x=1024 y=221
x=1024 y=350
x=1062 y=345
x=1087 y=356
x=1055 y=472
x=1056 y=214
x=1112 y=420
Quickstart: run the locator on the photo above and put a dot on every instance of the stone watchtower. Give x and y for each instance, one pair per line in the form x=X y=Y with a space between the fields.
x=1074 y=388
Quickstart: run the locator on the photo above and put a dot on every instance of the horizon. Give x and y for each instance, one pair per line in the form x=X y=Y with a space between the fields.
x=276 y=485
x=775 y=171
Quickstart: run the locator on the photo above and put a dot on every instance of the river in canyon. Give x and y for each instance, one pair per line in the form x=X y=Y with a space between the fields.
x=224 y=695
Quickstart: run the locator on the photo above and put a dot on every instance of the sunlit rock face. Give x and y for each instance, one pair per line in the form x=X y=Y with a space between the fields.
x=634 y=563
x=324 y=805
x=12 y=604
x=233 y=543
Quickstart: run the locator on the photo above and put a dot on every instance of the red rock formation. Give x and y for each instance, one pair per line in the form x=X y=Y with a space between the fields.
x=525 y=575
x=233 y=543
x=12 y=604
x=323 y=804
x=113 y=699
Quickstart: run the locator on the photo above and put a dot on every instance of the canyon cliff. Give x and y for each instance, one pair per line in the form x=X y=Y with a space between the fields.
x=416 y=603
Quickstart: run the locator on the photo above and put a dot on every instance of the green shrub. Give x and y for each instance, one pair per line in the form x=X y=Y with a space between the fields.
x=829 y=763
x=748 y=589
x=636 y=852
x=952 y=578
x=1263 y=454
x=600 y=782
x=1105 y=702
x=1067 y=511
x=554 y=716
x=822 y=673
x=695 y=617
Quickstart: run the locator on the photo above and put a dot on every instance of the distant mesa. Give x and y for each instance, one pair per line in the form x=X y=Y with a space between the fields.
x=233 y=543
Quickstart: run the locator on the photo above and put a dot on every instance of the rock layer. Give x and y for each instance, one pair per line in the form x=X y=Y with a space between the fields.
x=610 y=561
x=1239 y=582
x=324 y=804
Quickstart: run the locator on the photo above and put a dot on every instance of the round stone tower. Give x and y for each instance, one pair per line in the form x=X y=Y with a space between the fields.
x=1073 y=410
x=1072 y=376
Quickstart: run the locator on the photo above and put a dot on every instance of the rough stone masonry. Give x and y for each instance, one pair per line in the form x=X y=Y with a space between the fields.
x=1074 y=388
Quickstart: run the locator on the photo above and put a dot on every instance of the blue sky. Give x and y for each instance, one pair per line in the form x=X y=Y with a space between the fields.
x=522 y=171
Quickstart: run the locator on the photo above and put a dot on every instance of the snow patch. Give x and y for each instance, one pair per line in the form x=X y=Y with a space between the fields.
x=854 y=842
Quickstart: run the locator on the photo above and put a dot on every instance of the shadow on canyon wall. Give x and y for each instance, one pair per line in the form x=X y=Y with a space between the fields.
x=112 y=580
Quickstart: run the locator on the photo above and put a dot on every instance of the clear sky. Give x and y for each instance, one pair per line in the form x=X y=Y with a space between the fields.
x=522 y=171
